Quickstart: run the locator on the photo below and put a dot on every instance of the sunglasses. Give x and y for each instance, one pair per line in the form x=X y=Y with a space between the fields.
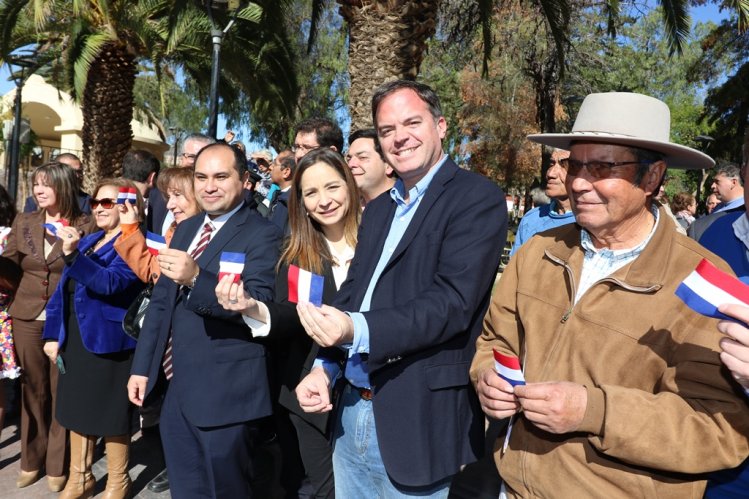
x=596 y=169
x=105 y=203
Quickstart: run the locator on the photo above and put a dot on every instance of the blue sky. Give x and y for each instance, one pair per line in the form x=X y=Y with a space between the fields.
x=708 y=12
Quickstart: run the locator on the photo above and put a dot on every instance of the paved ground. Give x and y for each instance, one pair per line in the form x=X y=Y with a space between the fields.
x=142 y=466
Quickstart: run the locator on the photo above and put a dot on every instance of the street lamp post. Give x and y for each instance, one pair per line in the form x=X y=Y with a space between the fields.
x=27 y=65
x=175 y=133
x=217 y=36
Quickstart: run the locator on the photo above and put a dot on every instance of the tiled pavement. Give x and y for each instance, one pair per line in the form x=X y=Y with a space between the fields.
x=142 y=465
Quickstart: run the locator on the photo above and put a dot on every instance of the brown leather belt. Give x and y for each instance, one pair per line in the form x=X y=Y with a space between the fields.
x=364 y=393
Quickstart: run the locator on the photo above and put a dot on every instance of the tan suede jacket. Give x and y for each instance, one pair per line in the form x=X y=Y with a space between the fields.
x=661 y=408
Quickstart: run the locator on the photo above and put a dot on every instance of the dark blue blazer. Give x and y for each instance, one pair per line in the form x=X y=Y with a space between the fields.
x=279 y=214
x=426 y=313
x=104 y=289
x=156 y=211
x=220 y=372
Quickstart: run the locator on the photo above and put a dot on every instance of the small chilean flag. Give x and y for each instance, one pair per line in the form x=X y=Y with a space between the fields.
x=122 y=195
x=707 y=287
x=132 y=195
x=231 y=264
x=508 y=368
x=53 y=226
x=155 y=242
x=304 y=286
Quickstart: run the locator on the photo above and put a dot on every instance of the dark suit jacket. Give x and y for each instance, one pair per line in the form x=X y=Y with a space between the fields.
x=279 y=214
x=220 y=374
x=156 y=211
x=699 y=226
x=105 y=288
x=425 y=315
x=293 y=350
x=40 y=275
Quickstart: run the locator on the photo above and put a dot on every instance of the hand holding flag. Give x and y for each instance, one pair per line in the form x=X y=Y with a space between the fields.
x=54 y=226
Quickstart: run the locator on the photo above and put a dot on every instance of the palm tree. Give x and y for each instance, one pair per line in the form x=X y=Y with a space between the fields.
x=387 y=38
x=94 y=47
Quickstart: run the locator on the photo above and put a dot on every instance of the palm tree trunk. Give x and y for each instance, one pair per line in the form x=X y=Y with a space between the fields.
x=107 y=111
x=387 y=40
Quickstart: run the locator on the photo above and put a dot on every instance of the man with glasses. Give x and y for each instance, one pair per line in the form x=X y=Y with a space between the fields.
x=618 y=386
x=191 y=146
x=314 y=133
x=554 y=214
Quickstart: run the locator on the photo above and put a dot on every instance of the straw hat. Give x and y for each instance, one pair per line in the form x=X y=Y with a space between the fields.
x=627 y=119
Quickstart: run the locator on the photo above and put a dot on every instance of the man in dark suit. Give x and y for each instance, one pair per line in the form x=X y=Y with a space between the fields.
x=416 y=292
x=281 y=173
x=219 y=386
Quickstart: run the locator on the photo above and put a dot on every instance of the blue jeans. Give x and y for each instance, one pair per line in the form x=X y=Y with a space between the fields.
x=357 y=464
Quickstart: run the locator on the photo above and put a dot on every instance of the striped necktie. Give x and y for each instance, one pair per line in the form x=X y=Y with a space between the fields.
x=205 y=239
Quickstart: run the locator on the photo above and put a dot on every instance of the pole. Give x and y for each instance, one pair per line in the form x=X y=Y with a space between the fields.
x=15 y=146
x=176 y=141
x=217 y=35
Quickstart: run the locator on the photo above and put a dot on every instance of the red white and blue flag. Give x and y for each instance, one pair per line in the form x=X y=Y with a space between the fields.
x=304 y=286
x=509 y=369
x=53 y=226
x=707 y=287
x=155 y=242
x=122 y=195
x=231 y=264
x=132 y=195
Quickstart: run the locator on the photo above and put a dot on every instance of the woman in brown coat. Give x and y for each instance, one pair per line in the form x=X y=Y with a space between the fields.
x=38 y=253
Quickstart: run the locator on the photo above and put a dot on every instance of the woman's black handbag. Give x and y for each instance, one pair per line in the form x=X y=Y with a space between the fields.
x=133 y=320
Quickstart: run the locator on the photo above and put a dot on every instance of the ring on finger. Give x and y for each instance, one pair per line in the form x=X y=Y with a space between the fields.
x=233 y=302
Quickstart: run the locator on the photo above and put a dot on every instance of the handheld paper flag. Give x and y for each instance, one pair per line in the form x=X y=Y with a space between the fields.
x=707 y=287
x=231 y=264
x=53 y=226
x=132 y=195
x=508 y=368
x=122 y=195
x=304 y=286
x=155 y=242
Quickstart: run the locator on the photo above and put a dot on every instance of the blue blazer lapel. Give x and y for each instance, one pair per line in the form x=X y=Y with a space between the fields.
x=434 y=191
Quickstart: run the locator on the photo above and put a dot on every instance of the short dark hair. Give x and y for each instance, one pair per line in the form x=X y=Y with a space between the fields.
x=424 y=92
x=240 y=162
x=139 y=164
x=328 y=133
x=286 y=159
x=367 y=133
x=67 y=155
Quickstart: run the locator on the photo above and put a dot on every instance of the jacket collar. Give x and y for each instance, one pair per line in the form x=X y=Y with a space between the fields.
x=646 y=271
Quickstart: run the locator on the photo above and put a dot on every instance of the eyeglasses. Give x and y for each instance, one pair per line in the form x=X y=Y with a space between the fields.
x=188 y=155
x=105 y=203
x=303 y=147
x=597 y=169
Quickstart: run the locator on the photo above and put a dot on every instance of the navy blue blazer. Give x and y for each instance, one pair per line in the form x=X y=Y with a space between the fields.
x=156 y=211
x=220 y=374
x=280 y=211
x=104 y=289
x=426 y=313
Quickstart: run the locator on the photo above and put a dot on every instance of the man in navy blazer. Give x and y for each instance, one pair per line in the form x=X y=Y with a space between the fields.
x=415 y=296
x=219 y=386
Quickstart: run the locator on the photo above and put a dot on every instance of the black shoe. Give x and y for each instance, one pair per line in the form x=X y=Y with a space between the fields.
x=160 y=483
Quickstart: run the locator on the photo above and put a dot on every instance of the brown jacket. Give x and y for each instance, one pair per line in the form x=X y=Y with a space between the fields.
x=40 y=275
x=661 y=408
x=131 y=246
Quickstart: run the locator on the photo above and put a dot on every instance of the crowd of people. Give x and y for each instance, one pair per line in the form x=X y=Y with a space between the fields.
x=328 y=321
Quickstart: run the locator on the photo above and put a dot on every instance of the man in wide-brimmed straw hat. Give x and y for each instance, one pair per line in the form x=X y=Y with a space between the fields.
x=625 y=396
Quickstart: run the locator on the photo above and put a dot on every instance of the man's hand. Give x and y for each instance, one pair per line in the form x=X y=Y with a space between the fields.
x=496 y=395
x=313 y=392
x=557 y=407
x=233 y=297
x=326 y=325
x=51 y=349
x=136 y=389
x=178 y=266
x=735 y=345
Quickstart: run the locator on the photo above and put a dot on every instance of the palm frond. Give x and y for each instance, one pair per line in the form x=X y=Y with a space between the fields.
x=89 y=49
x=677 y=21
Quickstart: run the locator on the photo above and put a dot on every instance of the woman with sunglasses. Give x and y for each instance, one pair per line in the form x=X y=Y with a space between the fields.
x=85 y=340
x=324 y=214
x=33 y=247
